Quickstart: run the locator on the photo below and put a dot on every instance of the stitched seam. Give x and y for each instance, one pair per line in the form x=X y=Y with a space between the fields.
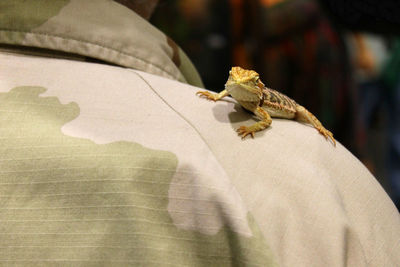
x=91 y=43
x=177 y=112
x=187 y=121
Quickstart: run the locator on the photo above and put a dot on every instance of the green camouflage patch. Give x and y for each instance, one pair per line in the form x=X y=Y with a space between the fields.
x=69 y=200
x=32 y=15
x=32 y=12
x=99 y=29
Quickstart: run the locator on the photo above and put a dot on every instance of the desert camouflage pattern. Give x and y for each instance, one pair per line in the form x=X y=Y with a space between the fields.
x=85 y=28
x=117 y=162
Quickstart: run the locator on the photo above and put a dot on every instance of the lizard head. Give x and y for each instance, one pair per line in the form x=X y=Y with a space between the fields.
x=244 y=85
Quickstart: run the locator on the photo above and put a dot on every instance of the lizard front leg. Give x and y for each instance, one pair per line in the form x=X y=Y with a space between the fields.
x=258 y=126
x=210 y=96
x=305 y=116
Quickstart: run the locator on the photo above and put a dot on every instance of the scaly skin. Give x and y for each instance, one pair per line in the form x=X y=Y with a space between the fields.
x=246 y=87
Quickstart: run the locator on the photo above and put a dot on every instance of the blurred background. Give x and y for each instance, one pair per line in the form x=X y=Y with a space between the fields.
x=340 y=59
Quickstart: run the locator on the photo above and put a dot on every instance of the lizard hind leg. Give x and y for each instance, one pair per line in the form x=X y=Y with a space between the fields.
x=303 y=115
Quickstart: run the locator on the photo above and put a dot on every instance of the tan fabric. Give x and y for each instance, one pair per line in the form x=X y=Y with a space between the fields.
x=100 y=29
x=314 y=204
x=105 y=165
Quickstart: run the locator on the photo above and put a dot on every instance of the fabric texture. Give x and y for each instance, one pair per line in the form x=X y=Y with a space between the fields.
x=125 y=165
x=120 y=37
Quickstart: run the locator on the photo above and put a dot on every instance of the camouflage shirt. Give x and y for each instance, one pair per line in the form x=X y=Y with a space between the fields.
x=108 y=158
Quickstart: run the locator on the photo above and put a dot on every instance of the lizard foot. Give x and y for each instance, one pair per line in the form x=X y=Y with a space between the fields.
x=207 y=95
x=327 y=134
x=244 y=131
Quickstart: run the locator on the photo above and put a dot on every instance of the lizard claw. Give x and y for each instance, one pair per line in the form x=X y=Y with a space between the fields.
x=244 y=131
x=328 y=135
x=207 y=95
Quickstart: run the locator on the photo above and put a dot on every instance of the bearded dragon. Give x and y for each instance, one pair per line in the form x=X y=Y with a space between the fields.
x=246 y=88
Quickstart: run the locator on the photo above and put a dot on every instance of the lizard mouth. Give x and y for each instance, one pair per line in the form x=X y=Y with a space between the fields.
x=243 y=92
x=232 y=85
